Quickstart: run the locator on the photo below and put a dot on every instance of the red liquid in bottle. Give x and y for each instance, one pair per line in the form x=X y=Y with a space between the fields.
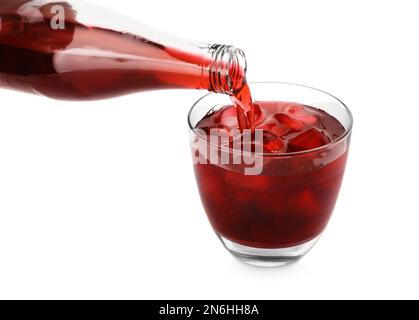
x=291 y=201
x=84 y=62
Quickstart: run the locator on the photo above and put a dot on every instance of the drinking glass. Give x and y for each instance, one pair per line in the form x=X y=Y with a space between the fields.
x=273 y=215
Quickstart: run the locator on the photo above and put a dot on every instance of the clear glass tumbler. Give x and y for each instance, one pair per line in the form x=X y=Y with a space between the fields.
x=273 y=217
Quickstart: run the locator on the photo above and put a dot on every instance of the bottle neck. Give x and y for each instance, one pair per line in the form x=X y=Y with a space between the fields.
x=227 y=69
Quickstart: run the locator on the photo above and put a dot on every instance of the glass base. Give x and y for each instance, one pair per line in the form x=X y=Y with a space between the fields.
x=268 y=257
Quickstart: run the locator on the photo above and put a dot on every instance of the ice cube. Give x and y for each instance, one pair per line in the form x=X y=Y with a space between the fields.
x=229 y=117
x=293 y=109
x=290 y=122
x=305 y=202
x=271 y=142
x=267 y=126
x=214 y=130
x=309 y=139
x=306 y=118
x=277 y=129
x=239 y=181
x=301 y=114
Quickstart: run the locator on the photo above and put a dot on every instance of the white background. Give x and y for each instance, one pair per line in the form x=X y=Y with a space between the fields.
x=89 y=208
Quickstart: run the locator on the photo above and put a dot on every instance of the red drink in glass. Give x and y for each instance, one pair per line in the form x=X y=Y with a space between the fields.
x=288 y=204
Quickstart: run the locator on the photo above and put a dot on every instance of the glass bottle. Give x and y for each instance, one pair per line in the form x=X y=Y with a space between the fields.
x=79 y=51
